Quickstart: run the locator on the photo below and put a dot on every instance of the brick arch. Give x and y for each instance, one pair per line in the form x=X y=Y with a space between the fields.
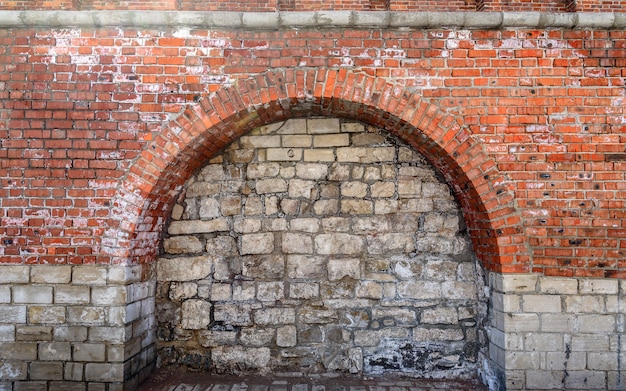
x=144 y=201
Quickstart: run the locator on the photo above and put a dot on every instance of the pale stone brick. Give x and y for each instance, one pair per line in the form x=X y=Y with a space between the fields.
x=19 y=351
x=90 y=352
x=598 y=286
x=188 y=227
x=182 y=245
x=276 y=225
x=44 y=274
x=558 y=285
x=331 y=140
x=441 y=315
x=339 y=243
x=423 y=290
x=299 y=188
x=340 y=268
x=12 y=314
x=570 y=361
x=40 y=370
x=253 y=207
x=55 y=351
x=13 y=371
x=435 y=190
x=372 y=174
x=195 y=314
x=590 y=342
x=32 y=294
x=339 y=172
x=46 y=314
x=602 y=361
x=274 y=316
x=437 y=335
x=184 y=269
x=228 y=357
x=369 y=290
x=209 y=338
x=319 y=155
x=375 y=224
x=313 y=171
x=220 y=292
x=73 y=372
x=202 y=189
x=289 y=206
x=284 y=154
x=235 y=314
x=126 y=274
x=86 y=315
x=264 y=266
x=5 y=294
x=310 y=225
x=262 y=170
x=221 y=245
x=110 y=295
x=247 y=226
x=303 y=266
x=336 y=224
x=543 y=342
x=240 y=155
x=510 y=283
x=367 y=139
x=71 y=294
x=541 y=303
x=270 y=291
x=365 y=155
x=272 y=185
x=392 y=242
x=14 y=274
x=408 y=188
x=542 y=380
x=584 y=303
x=104 y=372
x=373 y=337
x=385 y=206
x=558 y=323
x=322 y=125
x=383 y=189
x=596 y=323
x=299 y=140
x=585 y=380
x=521 y=322
x=251 y=142
x=89 y=275
x=356 y=206
x=354 y=189
x=286 y=336
x=213 y=172
x=297 y=244
x=257 y=244
x=523 y=360
x=326 y=207
x=303 y=290
x=352 y=127
x=7 y=332
x=209 y=208
x=70 y=333
x=256 y=336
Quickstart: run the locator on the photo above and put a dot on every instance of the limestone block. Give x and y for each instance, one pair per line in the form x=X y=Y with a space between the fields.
x=421 y=334
x=14 y=274
x=240 y=155
x=236 y=314
x=340 y=268
x=284 y=154
x=510 y=283
x=390 y=243
x=7 y=332
x=109 y=295
x=262 y=170
x=221 y=245
x=422 y=290
x=570 y=361
x=286 y=336
x=582 y=304
x=213 y=172
x=555 y=323
x=220 y=292
x=70 y=333
x=352 y=127
x=521 y=322
x=354 y=189
x=590 y=342
x=262 y=243
x=271 y=205
x=369 y=290
x=331 y=140
x=326 y=207
x=246 y=226
x=40 y=370
x=303 y=290
x=182 y=245
x=558 y=285
x=5 y=294
x=596 y=324
x=210 y=338
x=357 y=206
x=195 y=314
x=291 y=126
x=13 y=371
x=274 y=316
x=202 y=189
x=184 y=269
x=298 y=141
x=383 y=189
x=251 y=142
x=435 y=190
x=289 y=206
x=339 y=243
x=89 y=275
x=209 y=208
x=523 y=360
x=46 y=314
x=270 y=291
x=319 y=155
x=297 y=243
x=322 y=125
x=374 y=337
x=269 y=266
x=256 y=336
x=585 y=380
x=541 y=303
x=439 y=315
x=243 y=290
x=313 y=315
x=409 y=188
x=19 y=351
x=299 y=188
x=86 y=315
x=32 y=294
x=275 y=225
x=312 y=171
x=47 y=274
x=542 y=380
x=339 y=172
x=599 y=286
x=188 y=227
x=104 y=372
x=231 y=357
x=365 y=155
x=543 y=342
x=385 y=206
x=90 y=352
x=12 y=314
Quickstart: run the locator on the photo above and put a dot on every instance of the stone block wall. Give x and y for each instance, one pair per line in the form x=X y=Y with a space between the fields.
x=317 y=246
x=558 y=333
x=75 y=327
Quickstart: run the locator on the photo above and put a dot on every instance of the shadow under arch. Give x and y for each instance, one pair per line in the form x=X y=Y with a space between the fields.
x=146 y=196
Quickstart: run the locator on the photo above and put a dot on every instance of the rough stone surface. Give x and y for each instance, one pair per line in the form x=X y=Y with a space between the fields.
x=348 y=257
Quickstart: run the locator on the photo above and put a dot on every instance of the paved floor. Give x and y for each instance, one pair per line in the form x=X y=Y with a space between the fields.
x=186 y=381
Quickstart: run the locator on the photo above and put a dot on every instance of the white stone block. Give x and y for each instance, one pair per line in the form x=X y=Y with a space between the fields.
x=184 y=269
x=541 y=303
x=47 y=274
x=14 y=274
x=262 y=243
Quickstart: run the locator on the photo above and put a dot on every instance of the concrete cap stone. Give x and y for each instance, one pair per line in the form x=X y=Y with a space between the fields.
x=311 y=19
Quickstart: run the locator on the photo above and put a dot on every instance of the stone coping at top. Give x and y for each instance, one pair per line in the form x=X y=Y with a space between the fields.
x=310 y=19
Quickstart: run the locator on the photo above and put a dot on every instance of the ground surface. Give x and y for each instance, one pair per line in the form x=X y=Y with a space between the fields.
x=171 y=380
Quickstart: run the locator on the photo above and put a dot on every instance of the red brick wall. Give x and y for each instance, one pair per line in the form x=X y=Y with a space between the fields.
x=528 y=126
x=304 y=5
